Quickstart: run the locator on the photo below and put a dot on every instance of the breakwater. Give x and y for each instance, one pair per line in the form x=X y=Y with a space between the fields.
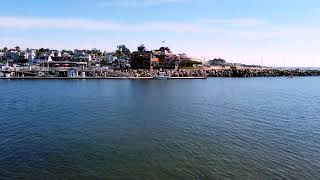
x=261 y=73
x=234 y=73
x=174 y=74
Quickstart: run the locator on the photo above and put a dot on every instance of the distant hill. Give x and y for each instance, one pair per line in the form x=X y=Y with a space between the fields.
x=222 y=62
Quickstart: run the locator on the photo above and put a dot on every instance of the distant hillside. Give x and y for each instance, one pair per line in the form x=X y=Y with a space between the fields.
x=222 y=62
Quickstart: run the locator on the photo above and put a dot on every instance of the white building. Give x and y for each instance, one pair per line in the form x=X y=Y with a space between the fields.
x=45 y=57
x=30 y=54
x=8 y=70
x=56 y=53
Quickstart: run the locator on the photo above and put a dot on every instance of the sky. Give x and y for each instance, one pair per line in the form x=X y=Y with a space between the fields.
x=262 y=32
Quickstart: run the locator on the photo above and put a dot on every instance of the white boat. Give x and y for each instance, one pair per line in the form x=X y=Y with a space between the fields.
x=161 y=76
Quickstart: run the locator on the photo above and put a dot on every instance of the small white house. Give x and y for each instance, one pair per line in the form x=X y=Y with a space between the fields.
x=72 y=73
x=83 y=74
x=43 y=59
x=7 y=74
x=30 y=55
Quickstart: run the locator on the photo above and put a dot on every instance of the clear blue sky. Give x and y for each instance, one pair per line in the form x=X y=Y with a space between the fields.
x=275 y=32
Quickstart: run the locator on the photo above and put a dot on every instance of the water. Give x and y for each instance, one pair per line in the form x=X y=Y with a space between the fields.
x=255 y=128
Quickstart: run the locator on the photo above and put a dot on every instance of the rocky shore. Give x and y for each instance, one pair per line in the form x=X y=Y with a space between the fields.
x=261 y=73
x=218 y=73
x=181 y=73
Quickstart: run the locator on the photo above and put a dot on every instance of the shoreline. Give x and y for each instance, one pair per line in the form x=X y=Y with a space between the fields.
x=96 y=78
x=139 y=78
x=147 y=74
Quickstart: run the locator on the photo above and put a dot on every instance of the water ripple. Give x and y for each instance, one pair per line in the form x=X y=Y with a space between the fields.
x=258 y=128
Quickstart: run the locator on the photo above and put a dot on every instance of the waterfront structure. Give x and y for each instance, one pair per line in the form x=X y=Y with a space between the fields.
x=167 y=60
x=6 y=71
x=142 y=60
x=120 y=63
x=67 y=64
x=72 y=73
x=157 y=59
x=83 y=74
x=122 y=58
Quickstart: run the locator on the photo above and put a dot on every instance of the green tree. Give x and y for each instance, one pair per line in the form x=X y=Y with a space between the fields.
x=122 y=49
x=189 y=63
x=217 y=62
x=142 y=48
x=5 y=49
x=22 y=60
x=17 y=48
x=165 y=49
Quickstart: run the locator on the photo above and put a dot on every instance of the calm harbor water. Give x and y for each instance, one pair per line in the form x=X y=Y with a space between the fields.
x=255 y=128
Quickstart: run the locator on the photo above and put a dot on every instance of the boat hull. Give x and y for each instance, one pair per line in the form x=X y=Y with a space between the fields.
x=160 y=78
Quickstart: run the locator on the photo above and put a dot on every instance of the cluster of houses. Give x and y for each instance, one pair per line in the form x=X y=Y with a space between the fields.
x=42 y=56
x=74 y=63
x=122 y=58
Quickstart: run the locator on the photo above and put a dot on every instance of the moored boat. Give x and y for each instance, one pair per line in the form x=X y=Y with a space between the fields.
x=161 y=76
